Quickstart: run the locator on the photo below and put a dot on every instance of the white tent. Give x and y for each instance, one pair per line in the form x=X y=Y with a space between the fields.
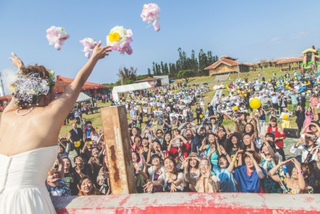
x=128 y=88
x=83 y=98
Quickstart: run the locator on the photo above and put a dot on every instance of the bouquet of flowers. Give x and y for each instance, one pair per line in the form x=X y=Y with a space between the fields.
x=88 y=46
x=57 y=36
x=120 y=39
x=151 y=14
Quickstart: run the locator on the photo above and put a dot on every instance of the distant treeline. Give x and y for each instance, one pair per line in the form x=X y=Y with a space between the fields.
x=195 y=63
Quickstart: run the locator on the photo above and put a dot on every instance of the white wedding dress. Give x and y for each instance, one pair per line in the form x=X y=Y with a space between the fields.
x=22 y=182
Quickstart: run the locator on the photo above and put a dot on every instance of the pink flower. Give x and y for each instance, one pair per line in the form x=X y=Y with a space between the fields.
x=151 y=14
x=57 y=36
x=88 y=46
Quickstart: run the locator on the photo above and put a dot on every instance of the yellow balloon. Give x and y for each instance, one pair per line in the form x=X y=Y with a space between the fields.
x=286 y=117
x=77 y=144
x=201 y=116
x=235 y=108
x=255 y=103
x=90 y=142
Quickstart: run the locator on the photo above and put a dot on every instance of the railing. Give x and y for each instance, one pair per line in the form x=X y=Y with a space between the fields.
x=187 y=203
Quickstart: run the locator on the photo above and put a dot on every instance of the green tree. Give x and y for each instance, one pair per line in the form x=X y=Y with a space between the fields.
x=185 y=74
x=127 y=75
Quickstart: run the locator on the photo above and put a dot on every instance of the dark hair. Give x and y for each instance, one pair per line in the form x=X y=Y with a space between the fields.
x=173 y=161
x=229 y=146
x=159 y=130
x=138 y=156
x=215 y=137
x=315 y=123
x=145 y=138
x=62 y=146
x=155 y=156
x=71 y=170
x=225 y=157
x=271 y=135
x=169 y=133
x=252 y=128
x=254 y=154
x=92 y=192
x=138 y=136
x=273 y=119
x=74 y=159
x=176 y=129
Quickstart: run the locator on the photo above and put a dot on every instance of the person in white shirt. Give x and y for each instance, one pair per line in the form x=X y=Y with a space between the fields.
x=275 y=100
x=304 y=147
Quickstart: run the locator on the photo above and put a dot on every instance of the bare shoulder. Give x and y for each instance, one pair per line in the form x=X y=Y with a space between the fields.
x=24 y=133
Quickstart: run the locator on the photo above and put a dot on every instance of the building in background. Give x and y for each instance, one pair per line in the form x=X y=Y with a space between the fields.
x=228 y=65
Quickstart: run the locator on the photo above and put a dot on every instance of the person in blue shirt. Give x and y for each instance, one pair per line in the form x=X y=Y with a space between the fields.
x=225 y=169
x=88 y=130
x=250 y=176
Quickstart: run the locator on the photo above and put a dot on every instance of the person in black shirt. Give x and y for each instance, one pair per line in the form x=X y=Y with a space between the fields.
x=196 y=141
x=75 y=135
x=81 y=169
x=302 y=101
x=198 y=113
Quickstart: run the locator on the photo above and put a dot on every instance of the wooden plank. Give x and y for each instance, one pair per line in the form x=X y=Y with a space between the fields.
x=117 y=139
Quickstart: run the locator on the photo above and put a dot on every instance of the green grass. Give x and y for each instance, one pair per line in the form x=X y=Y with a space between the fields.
x=94 y=118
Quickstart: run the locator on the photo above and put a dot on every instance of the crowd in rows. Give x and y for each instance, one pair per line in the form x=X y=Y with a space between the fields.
x=190 y=146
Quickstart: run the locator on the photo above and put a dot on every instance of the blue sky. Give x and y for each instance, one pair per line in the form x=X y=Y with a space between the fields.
x=249 y=30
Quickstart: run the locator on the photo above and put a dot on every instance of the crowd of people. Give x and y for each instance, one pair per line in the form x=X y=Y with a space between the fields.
x=180 y=144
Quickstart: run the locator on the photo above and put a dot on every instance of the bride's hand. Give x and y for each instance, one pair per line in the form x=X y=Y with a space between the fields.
x=16 y=61
x=100 y=52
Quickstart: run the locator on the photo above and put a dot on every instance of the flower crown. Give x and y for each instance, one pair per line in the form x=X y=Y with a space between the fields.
x=28 y=89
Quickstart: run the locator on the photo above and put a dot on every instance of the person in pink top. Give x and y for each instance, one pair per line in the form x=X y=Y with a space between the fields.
x=314 y=101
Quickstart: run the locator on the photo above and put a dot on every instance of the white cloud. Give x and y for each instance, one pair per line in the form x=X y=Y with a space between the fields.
x=300 y=35
x=276 y=40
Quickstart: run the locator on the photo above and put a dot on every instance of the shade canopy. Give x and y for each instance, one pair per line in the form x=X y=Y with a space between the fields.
x=128 y=88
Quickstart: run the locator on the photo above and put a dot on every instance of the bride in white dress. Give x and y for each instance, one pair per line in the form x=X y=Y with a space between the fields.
x=29 y=131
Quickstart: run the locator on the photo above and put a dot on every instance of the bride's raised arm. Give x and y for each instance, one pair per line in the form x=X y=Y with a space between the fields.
x=60 y=107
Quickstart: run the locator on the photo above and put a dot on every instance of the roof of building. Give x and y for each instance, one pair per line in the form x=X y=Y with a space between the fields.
x=147 y=79
x=6 y=98
x=223 y=60
x=289 y=60
x=62 y=82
